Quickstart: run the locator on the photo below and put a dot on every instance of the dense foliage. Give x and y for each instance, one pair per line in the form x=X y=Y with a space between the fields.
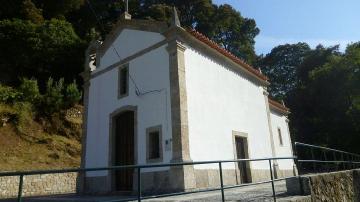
x=43 y=39
x=57 y=96
x=322 y=88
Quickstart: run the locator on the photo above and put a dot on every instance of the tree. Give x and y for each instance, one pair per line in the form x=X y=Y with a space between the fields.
x=30 y=12
x=160 y=12
x=335 y=86
x=39 y=50
x=235 y=33
x=281 y=65
x=195 y=13
x=325 y=109
x=59 y=8
x=223 y=24
x=10 y=9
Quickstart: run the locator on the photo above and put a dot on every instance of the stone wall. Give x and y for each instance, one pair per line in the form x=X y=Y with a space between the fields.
x=35 y=185
x=334 y=186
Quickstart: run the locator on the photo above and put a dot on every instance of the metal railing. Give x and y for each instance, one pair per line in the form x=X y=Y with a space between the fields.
x=347 y=160
x=139 y=168
x=315 y=159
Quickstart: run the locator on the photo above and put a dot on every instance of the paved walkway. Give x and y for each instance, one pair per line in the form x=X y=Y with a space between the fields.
x=261 y=192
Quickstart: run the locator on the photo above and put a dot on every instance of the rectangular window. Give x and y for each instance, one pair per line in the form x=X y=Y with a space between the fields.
x=123 y=81
x=154 y=144
x=280 y=136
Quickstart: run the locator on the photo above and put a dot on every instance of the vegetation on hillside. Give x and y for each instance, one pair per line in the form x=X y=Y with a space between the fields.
x=40 y=130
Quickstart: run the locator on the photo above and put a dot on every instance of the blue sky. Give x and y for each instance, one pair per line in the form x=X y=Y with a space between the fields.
x=329 y=22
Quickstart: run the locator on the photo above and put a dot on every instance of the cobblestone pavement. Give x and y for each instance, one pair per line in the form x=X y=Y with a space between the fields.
x=261 y=192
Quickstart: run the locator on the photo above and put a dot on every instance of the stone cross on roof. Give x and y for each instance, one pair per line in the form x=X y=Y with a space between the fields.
x=175 y=18
x=126 y=5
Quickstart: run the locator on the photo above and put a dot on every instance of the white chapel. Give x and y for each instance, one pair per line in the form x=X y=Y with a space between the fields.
x=159 y=93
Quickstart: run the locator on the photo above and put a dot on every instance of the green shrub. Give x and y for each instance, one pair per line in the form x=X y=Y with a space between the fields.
x=8 y=94
x=7 y=114
x=24 y=116
x=72 y=95
x=30 y=90
x=53 y=99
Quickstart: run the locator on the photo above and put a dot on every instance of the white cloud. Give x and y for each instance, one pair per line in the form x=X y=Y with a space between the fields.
x=264 y=44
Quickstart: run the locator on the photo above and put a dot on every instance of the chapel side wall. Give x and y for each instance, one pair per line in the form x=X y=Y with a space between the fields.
x=280 y=121
x=150 y=72
x=221 y=101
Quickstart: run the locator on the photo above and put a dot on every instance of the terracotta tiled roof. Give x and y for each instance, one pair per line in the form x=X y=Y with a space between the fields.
x=226 y=53
x=278 y=106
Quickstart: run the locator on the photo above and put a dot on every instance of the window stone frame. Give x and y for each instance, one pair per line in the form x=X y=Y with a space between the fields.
x=127 y=81
x=149 y=130
x=280 y=136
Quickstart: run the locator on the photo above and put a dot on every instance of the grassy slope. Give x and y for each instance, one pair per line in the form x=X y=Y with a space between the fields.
x=38 y=149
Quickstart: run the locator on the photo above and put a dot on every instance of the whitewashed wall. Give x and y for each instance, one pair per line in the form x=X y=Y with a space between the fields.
x=279 y=121
x=127 y=43
x=150 y=72
x=220 y=101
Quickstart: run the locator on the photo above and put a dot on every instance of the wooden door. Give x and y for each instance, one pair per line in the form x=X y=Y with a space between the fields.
x=242 y=153
x=124 y=150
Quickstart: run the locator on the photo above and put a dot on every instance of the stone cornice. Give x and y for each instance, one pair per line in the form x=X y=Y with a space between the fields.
x=174 y=46
x=278 y=107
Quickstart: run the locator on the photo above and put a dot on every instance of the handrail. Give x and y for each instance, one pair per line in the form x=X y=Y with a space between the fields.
x=346 y=160
x=321 y=161
x=325 y=148
x=139 y=197
x=69 y=170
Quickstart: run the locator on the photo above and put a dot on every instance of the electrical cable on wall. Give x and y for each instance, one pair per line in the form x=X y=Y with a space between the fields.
x=138 y=92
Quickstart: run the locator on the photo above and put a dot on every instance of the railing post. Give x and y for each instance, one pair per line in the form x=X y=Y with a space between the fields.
x=313 y=158
x=342 y=159
x=297 y=163
x=335 y=159
x=326 y=164
x=272 y=180
x=139 y=183
x=20 y=188
x=221 y=182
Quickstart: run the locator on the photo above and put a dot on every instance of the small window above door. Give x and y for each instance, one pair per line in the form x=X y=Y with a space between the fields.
x=280 y=137
x=123 y=81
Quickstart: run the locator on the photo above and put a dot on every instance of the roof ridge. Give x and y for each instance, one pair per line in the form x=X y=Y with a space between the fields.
x=226 y=53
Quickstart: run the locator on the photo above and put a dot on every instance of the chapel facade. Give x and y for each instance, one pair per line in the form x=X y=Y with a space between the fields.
x=158 y=93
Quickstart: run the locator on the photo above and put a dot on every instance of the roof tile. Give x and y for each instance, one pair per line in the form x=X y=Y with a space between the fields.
x=226 y=53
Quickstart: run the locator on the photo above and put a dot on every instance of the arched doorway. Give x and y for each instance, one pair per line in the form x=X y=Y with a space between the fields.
x=124 y=149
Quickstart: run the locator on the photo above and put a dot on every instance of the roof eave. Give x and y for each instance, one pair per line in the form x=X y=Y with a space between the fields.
x=179 y=33
x=276 y=106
